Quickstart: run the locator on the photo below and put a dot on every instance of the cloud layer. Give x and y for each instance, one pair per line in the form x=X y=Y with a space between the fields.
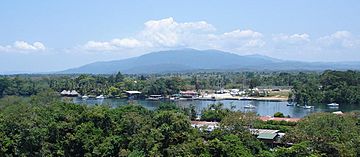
x=168 y=33
x=22 y=46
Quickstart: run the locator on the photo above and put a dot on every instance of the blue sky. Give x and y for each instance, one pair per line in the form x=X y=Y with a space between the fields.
x=38 y=36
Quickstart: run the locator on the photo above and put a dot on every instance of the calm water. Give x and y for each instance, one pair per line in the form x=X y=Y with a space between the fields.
x=263 y=108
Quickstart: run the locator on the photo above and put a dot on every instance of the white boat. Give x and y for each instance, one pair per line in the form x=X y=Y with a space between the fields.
x=290 y=104
x=249 y=106
x=333 y=104
x=154 y=97
x=308 y=107
x=174 y=98
x=100 y=97
x=84 y=97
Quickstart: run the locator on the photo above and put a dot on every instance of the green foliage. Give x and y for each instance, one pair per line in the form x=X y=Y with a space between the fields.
x=333 y=135
x=4 y=84
x=44 y=126
x=279 y=114
x=297 y=150
x=254 y=82
x=331 y=86
x=168 y=107
x=214 y=113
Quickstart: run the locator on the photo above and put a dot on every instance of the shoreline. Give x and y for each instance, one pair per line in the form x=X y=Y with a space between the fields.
x=216 y=97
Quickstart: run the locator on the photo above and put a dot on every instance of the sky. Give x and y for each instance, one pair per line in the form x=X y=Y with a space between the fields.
x=46 y=36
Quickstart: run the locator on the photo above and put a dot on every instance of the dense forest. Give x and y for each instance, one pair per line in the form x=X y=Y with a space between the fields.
x=330 y=86
x=307 y=87
x=41 y=125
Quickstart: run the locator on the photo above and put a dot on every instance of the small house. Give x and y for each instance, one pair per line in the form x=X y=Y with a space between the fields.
x=133 y=94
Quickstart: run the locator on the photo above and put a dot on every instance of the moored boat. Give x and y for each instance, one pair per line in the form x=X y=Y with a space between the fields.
x=308 y=107
x=290 y=104
x=249 y=106
x=154 y=97
x=333 y=104
x=100 y=97
x=84 y=97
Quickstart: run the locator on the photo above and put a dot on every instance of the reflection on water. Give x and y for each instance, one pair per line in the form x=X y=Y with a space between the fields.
x=262 y=108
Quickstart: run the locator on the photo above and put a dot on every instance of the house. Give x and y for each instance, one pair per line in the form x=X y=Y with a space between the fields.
x=72 y=93
x=208 y=126
x=189 y=94
x=132 y=94
x=155 y=97
x=65 y=93
x=268 y=136
x=267 y=118
x=222 y=91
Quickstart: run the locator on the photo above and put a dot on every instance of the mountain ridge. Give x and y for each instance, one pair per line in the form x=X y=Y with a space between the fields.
x=192 y=60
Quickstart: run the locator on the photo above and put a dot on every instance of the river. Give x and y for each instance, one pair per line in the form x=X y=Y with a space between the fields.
x=263 y=108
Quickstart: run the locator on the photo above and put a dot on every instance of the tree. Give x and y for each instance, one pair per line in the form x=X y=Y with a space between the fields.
x=214 y=113
x=279 y=114
x=4 y=84
x=254 y=82
x=174 y=127
x=333 y=135
x=119 y=77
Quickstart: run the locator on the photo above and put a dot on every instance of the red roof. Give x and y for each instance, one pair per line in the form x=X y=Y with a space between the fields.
x=267 y=118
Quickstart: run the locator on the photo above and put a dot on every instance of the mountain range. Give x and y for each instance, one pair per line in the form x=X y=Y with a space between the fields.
x=186 y=60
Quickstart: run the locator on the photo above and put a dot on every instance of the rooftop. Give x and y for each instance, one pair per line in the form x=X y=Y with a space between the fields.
x=267 y=118
x=263 y=131
x=133 y=92
x=267 y=136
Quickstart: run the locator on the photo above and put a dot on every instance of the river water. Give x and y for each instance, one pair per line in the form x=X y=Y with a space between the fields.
x=263 y=108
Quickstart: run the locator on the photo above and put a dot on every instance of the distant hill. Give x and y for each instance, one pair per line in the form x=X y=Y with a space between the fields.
x=195 y=60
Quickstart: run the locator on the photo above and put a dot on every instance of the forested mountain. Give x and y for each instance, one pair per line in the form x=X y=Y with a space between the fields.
x=196 y=60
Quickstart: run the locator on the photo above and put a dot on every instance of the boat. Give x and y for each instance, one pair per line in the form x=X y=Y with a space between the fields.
x=154 y=97
x=249 y=106
x=333 y=104
x=84 y=97
x=100 y=97
x=290 y=104
x=174 y=98
x=308 y=107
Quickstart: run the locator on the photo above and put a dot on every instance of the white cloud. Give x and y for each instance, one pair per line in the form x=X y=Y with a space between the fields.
x=22 y=46
x=294 y=38
x=242 y=41
x=339 y=39
x=168 y=33
x=115 y=44
x=163 y=33
x=128 y=43
x=242 y=34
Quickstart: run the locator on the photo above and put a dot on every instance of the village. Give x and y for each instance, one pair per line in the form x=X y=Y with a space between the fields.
x=265 y=94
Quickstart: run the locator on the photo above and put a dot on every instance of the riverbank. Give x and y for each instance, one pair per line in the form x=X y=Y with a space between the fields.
x=217 y=97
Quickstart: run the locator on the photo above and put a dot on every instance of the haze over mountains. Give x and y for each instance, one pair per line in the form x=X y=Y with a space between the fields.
x=202 y=60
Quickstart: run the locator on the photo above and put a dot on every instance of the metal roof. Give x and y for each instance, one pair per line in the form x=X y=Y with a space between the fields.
x=267 y=136
x=263 y=131
x=133 y=92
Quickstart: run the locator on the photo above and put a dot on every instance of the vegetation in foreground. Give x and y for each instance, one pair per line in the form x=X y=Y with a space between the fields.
x=44 y=126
